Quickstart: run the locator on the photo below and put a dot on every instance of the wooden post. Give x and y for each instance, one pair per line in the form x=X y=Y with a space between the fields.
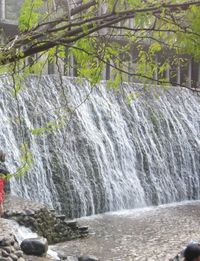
x=199 y=73
x=3 y=9
x=167 y=74
x=71 y=65
x=190 y=73
x=107 y=72
x=179 y=74
x=130 y=71
x=156 y=72
x=132 y=23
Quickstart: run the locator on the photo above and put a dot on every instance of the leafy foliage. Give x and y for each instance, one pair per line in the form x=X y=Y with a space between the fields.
x=30 y=14
x=106 y=33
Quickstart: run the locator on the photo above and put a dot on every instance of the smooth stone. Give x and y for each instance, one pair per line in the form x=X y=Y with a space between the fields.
x=72 y=224
x=83 y=229
x=71 y=258
x=20 y=259
x=14 y=257
x=29 y=212
x=4 y=253
x=5 y=242
x=6 y=259
x=9 y=249
x=19 y=253
x=61 y=217
x=87 y=258
x=35 y=246
x=16 y=246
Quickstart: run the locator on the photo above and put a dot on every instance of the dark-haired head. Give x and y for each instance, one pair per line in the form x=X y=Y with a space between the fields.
x=192 y=252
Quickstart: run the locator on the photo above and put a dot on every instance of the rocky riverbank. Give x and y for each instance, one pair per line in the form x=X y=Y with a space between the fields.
x=10 y=249
x=46 y=223
x=9 y=246
x=153 y=234
x=120 y=236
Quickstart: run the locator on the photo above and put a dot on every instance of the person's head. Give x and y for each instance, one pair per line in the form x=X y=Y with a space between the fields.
x=192 y=252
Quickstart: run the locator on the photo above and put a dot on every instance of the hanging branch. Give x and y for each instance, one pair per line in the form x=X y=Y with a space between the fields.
x=46 y=35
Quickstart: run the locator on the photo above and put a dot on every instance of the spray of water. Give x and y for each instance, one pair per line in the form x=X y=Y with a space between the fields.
x=112 y=154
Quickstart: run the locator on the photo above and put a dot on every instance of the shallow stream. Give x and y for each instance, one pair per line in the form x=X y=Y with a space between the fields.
x=156 y=233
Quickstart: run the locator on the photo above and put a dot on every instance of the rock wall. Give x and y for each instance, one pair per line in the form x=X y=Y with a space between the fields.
x=46 y=223
x=10 y=249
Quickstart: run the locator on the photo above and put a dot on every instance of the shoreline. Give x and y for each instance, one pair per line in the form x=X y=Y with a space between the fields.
x=155 y=233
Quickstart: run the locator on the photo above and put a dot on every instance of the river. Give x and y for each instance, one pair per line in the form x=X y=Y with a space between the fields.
x=155 y=233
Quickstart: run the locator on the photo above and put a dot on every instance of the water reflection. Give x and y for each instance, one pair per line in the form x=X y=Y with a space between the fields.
x=147 y=234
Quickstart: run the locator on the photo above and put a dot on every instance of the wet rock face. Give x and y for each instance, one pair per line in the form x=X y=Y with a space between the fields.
x=10 y=249
x=46 y=223
x=34 y=246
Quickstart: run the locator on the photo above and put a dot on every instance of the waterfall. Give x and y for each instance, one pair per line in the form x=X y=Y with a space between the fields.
x=108 y=153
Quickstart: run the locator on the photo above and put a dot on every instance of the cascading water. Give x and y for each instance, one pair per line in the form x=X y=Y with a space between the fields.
x=110 y=154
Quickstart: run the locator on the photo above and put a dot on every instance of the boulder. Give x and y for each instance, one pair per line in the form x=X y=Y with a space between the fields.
x=72 y=224
x=71 y=258
x=62 y=217
x=7 y=241
x=4 y=253
x=35 y=246
x=88 y=258
x=14 y=257
x=19 y=253
x=83 y=229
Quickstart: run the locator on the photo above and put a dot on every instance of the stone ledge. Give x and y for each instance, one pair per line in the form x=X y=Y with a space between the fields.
x=45 y=222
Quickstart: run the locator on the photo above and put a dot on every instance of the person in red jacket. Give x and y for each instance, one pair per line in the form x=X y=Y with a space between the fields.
x=3 y=173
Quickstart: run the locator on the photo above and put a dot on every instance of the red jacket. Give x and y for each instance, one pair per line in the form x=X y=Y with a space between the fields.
x=2 y=183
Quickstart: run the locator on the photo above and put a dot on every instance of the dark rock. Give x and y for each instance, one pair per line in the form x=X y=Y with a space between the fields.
x=71 y=258
x=4 y=253
x=83 y=229
x=35 y=246
x=3 y=242
x=88 y=258
x=6 y=241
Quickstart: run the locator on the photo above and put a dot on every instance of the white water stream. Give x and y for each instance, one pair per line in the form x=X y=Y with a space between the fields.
x=22 y=233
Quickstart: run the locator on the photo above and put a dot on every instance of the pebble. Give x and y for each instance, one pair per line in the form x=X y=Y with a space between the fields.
x=19 y=253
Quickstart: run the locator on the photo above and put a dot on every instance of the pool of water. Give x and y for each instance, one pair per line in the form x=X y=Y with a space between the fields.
x=156 y=233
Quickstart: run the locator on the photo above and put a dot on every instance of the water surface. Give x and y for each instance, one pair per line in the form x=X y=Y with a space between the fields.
x=145 y=234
